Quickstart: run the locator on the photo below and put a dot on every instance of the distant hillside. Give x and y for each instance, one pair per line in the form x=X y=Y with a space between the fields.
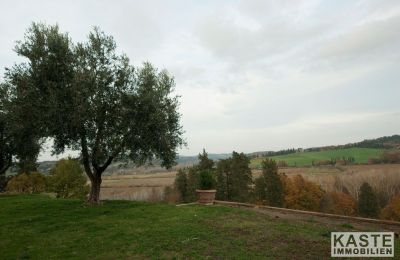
x=385 y=142
x=298 y=156
x=307 y=158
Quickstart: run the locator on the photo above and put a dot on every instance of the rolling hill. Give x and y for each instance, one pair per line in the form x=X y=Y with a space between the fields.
x=360 y=155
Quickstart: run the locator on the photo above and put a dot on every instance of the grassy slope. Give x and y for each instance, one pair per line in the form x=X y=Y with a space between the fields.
x=38 y=227
x=361 y=155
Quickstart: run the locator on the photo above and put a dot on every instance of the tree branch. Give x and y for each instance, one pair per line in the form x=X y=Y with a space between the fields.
x=85 y=157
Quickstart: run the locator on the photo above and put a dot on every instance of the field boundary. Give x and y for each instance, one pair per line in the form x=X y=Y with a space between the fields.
x=310 y=213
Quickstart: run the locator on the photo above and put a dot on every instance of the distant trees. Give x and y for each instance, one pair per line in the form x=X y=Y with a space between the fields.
x=188 y=180
x=368 y=205
x=88 y=98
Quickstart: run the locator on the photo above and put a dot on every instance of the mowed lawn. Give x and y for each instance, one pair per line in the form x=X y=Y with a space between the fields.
x=361 y=155
x=39 y=227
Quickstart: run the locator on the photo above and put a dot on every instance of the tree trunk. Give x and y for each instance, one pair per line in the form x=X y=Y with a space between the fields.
x=94 y=196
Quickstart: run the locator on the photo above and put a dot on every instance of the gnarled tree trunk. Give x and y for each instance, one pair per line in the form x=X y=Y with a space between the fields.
x=94 y=195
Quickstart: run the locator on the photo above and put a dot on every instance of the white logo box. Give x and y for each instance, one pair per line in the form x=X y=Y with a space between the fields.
x=362 y=244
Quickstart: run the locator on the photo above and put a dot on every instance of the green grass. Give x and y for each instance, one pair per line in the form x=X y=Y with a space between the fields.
x=361 y=155
x=39 y=227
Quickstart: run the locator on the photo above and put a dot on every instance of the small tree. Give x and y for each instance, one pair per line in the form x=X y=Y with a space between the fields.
x=273 y=184
x=302 y=194
x=193 y=183
x=181 y=184
x=67 y=180
x=368 y=205
x=339 y=203
x=204 y=162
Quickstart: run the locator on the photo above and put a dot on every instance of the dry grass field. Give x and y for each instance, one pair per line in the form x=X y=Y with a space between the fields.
x=150 y=186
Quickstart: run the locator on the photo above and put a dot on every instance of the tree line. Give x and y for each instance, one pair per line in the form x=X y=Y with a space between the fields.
x=233 y=181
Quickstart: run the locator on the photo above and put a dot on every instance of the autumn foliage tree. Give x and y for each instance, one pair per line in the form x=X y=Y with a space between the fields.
x=302 y=194
x=392 y=209
x=91 y=99
x=339 y=203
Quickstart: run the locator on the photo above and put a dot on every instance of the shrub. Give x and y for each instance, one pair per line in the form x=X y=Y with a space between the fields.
x=339 y=203
x=368 y=202
x=180 y=185
x=34 y=182
x=67 y=180
x=171 y=195
x=207 y=181
x=392 y=209
x=302 y=194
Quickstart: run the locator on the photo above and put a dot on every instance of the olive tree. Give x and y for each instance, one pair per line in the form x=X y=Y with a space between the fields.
x=91 y=99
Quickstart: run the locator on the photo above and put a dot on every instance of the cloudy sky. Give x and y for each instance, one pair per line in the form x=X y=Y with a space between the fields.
x=253 y=75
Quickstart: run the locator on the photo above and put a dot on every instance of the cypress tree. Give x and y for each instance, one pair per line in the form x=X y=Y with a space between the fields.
x=368 y=202
x=273 y=183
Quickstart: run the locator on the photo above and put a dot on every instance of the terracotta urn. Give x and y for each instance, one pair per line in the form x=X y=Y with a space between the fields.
x=206 y=196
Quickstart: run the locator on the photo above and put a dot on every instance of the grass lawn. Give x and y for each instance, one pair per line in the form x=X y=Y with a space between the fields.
x=39 y=227
x=361 y=155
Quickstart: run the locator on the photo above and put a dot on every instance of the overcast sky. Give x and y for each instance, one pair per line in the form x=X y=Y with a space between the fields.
x=253 y=75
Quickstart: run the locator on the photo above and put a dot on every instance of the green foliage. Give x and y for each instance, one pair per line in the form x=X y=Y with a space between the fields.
x=89 y=98
x=368 y=202
x=234 y=178
x=273 y=183
x=180 y=184
x=193 y=183
x=260 y=190
x=67 y=180
x=205 y=163
x=207 y=181
x=34 y=182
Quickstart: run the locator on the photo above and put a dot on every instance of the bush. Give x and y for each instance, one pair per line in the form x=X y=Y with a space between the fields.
x=392 y=209
x=34 y=182
x=180 y=185
x=302 y=194
x=3 y=181
x=67 y=180
x=207 y=181
x=171 y=195
x=368 y=202
x=339 y=203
